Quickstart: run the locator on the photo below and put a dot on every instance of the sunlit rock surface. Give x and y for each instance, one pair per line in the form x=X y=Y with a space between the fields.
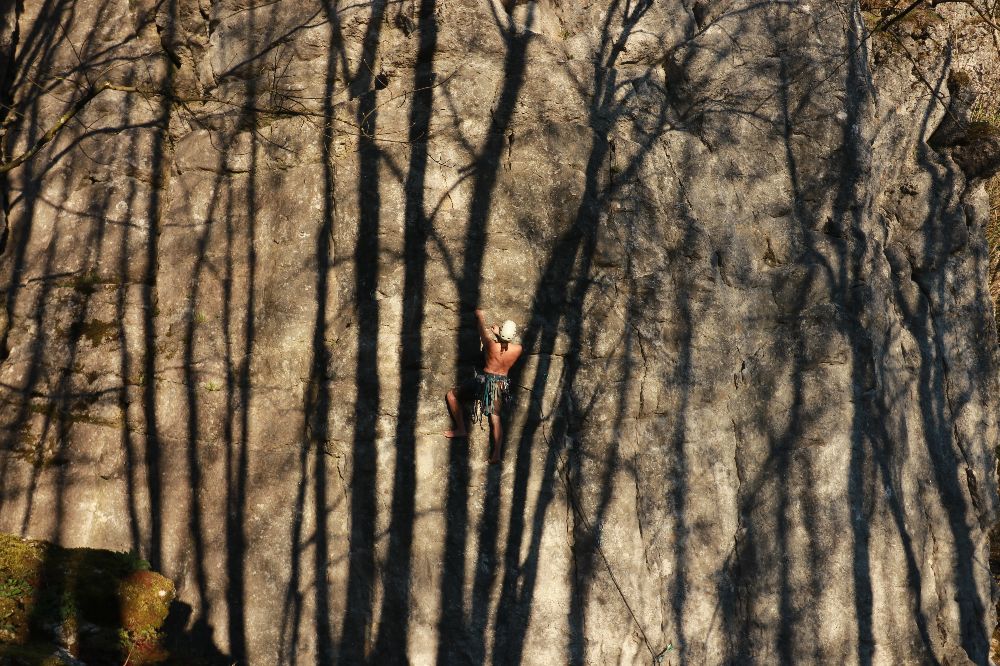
x=756 y=418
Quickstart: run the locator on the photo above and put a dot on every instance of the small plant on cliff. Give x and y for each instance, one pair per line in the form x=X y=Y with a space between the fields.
x=19 y=570
x=12 y=588
x=986 y=110
x=15 y=597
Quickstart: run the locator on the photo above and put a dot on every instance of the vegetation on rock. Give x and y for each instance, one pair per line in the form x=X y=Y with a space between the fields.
x=96 y=605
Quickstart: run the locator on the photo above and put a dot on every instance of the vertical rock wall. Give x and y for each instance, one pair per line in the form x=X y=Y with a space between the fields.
x=755 y=421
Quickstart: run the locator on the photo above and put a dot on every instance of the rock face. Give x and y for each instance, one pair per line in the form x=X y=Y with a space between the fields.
x=755 y=421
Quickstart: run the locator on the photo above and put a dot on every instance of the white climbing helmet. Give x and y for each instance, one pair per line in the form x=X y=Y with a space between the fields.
x=508 y=331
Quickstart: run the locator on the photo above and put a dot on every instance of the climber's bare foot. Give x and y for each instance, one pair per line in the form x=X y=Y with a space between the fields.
x=451 y=434
x=494 y=461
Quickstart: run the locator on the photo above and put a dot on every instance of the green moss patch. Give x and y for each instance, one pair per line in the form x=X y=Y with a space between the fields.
x=101 y=606
x=993 y=228
x=95 y=330
x=993 y=239
x=879 y=14
x=20 y=570
x=75 y=413
x=981 y=131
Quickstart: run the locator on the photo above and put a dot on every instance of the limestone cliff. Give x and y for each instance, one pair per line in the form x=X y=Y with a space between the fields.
x=756 y=421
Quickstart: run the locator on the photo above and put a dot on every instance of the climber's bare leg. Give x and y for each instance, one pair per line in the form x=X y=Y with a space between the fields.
x=455 y=409
x=496 y=429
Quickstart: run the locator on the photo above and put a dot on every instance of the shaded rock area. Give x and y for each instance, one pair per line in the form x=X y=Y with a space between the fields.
x=756 y=418
x=79 y=605
x=993 y=237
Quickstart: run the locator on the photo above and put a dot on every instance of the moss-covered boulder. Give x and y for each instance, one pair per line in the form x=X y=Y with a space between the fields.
x=58 y=605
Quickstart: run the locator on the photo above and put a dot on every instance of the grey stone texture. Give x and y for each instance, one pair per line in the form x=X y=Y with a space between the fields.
x=756 y=418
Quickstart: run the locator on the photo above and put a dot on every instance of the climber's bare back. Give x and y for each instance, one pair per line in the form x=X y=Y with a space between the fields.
x=500 y=356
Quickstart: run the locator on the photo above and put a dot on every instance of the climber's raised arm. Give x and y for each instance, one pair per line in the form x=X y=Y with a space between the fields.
x=484 y=331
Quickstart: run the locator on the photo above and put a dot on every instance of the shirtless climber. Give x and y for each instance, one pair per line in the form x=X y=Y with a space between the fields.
x=489 y=389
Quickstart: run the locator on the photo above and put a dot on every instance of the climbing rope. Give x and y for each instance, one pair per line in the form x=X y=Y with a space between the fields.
x=656 y=654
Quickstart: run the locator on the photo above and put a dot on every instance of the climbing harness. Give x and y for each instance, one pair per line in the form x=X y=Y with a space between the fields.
x=492 y=388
